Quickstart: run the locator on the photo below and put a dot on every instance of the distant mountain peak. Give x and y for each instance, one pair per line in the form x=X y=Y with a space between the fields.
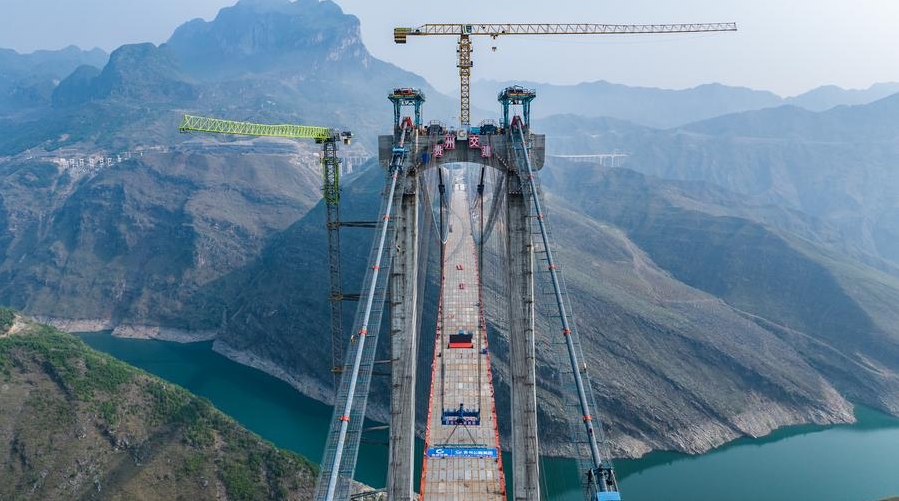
x=28 y=80
x=139 y=71
x=269 y=35
x=826 y=97
x=650 y=106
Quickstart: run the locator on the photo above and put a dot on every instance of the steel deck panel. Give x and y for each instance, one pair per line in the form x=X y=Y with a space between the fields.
x=462 y=376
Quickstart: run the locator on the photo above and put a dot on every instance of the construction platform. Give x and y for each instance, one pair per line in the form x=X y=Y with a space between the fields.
x=462 y=453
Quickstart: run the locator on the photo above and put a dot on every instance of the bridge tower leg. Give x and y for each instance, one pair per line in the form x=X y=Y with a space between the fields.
x=520 y=257
x=404 y=344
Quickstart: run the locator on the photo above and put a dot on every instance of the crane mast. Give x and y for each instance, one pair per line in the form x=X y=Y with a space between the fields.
x=329 y=139
x=466 y=31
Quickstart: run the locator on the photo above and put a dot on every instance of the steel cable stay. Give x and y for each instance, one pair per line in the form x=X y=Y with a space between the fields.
x=492 y=268
x=556 y=346
x=481 y=239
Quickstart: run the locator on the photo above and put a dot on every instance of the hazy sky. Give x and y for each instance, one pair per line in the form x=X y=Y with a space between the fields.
x=786 y=46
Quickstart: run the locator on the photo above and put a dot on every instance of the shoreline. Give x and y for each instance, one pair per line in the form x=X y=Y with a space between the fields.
x=305 y=385
x=714 y=435
x=127 y=330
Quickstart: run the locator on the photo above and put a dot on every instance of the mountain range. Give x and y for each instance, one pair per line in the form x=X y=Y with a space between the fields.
x=28 y=80
x=839 y=165
x=323 y=76
x=666 y=108
x=735 y=274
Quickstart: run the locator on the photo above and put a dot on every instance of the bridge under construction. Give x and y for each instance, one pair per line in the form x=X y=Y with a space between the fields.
x=462 y=458
x=496 y=214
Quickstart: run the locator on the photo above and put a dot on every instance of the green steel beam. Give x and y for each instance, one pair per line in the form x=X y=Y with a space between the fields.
x=217 y=125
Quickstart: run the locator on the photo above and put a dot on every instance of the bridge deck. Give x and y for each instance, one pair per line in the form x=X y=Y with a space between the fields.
x=462 y=459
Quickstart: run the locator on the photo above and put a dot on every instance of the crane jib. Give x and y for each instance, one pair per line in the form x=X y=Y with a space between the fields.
x=495 y=30
x=219 y=126
x=465 y=31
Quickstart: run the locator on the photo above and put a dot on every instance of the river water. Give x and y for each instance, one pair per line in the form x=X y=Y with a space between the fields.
x=802 y=463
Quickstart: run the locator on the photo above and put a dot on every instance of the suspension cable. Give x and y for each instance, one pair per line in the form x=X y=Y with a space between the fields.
x=357 y=362
x=610 y=483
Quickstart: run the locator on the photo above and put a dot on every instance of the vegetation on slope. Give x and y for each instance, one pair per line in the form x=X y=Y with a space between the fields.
x=7 y=317
x=78 y=424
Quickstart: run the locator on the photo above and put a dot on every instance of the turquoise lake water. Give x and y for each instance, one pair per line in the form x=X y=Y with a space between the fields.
x=805 y=463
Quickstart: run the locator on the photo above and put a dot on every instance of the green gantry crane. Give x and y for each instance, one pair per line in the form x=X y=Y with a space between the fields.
x=329 y=139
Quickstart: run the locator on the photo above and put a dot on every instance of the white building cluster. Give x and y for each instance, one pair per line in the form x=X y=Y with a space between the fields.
x=92 y=164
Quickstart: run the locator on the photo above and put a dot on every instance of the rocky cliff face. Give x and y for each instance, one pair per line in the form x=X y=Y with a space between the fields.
x=131 y=243
x=296 y=39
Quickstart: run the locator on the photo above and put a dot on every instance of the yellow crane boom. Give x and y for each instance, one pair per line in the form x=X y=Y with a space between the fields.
x=465 y=31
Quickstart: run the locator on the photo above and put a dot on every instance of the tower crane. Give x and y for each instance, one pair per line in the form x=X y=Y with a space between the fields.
x=329 y=139
x=466 y=31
